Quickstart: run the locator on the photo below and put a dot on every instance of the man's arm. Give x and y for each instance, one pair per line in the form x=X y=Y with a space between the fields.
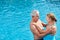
x=42 y=31
x=35 y=31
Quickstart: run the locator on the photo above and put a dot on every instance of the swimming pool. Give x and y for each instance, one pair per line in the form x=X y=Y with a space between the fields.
x=15 y=17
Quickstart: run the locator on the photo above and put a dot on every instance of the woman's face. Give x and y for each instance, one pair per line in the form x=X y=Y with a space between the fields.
x=48 y=19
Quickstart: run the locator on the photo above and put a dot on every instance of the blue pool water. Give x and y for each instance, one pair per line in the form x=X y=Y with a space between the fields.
x=15 y=17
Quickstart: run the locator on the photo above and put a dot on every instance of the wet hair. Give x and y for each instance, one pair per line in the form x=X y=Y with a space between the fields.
x=52 y=16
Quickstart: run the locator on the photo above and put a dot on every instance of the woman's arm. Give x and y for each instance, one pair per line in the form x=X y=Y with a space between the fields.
x=53 y=30
x=44 y=25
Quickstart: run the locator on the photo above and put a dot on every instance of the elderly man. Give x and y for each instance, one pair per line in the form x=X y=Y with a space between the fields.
x=38 y=35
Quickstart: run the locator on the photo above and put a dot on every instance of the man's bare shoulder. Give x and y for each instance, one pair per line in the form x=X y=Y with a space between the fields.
x=39 y=20
x=31 y=25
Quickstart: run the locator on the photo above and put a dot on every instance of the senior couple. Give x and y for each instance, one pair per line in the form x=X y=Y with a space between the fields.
x=38 y=27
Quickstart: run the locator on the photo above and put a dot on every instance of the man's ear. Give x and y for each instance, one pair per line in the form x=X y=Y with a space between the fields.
x=32 y=16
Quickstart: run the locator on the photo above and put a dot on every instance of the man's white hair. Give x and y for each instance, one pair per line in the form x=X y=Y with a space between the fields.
x=34 y=12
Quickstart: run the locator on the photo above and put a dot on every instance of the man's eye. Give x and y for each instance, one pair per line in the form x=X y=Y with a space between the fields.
x=37 y=16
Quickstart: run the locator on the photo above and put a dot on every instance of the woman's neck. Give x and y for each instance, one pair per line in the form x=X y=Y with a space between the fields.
x=51 y=23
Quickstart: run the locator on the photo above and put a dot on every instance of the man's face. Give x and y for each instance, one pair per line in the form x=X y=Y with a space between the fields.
x=35 y=18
